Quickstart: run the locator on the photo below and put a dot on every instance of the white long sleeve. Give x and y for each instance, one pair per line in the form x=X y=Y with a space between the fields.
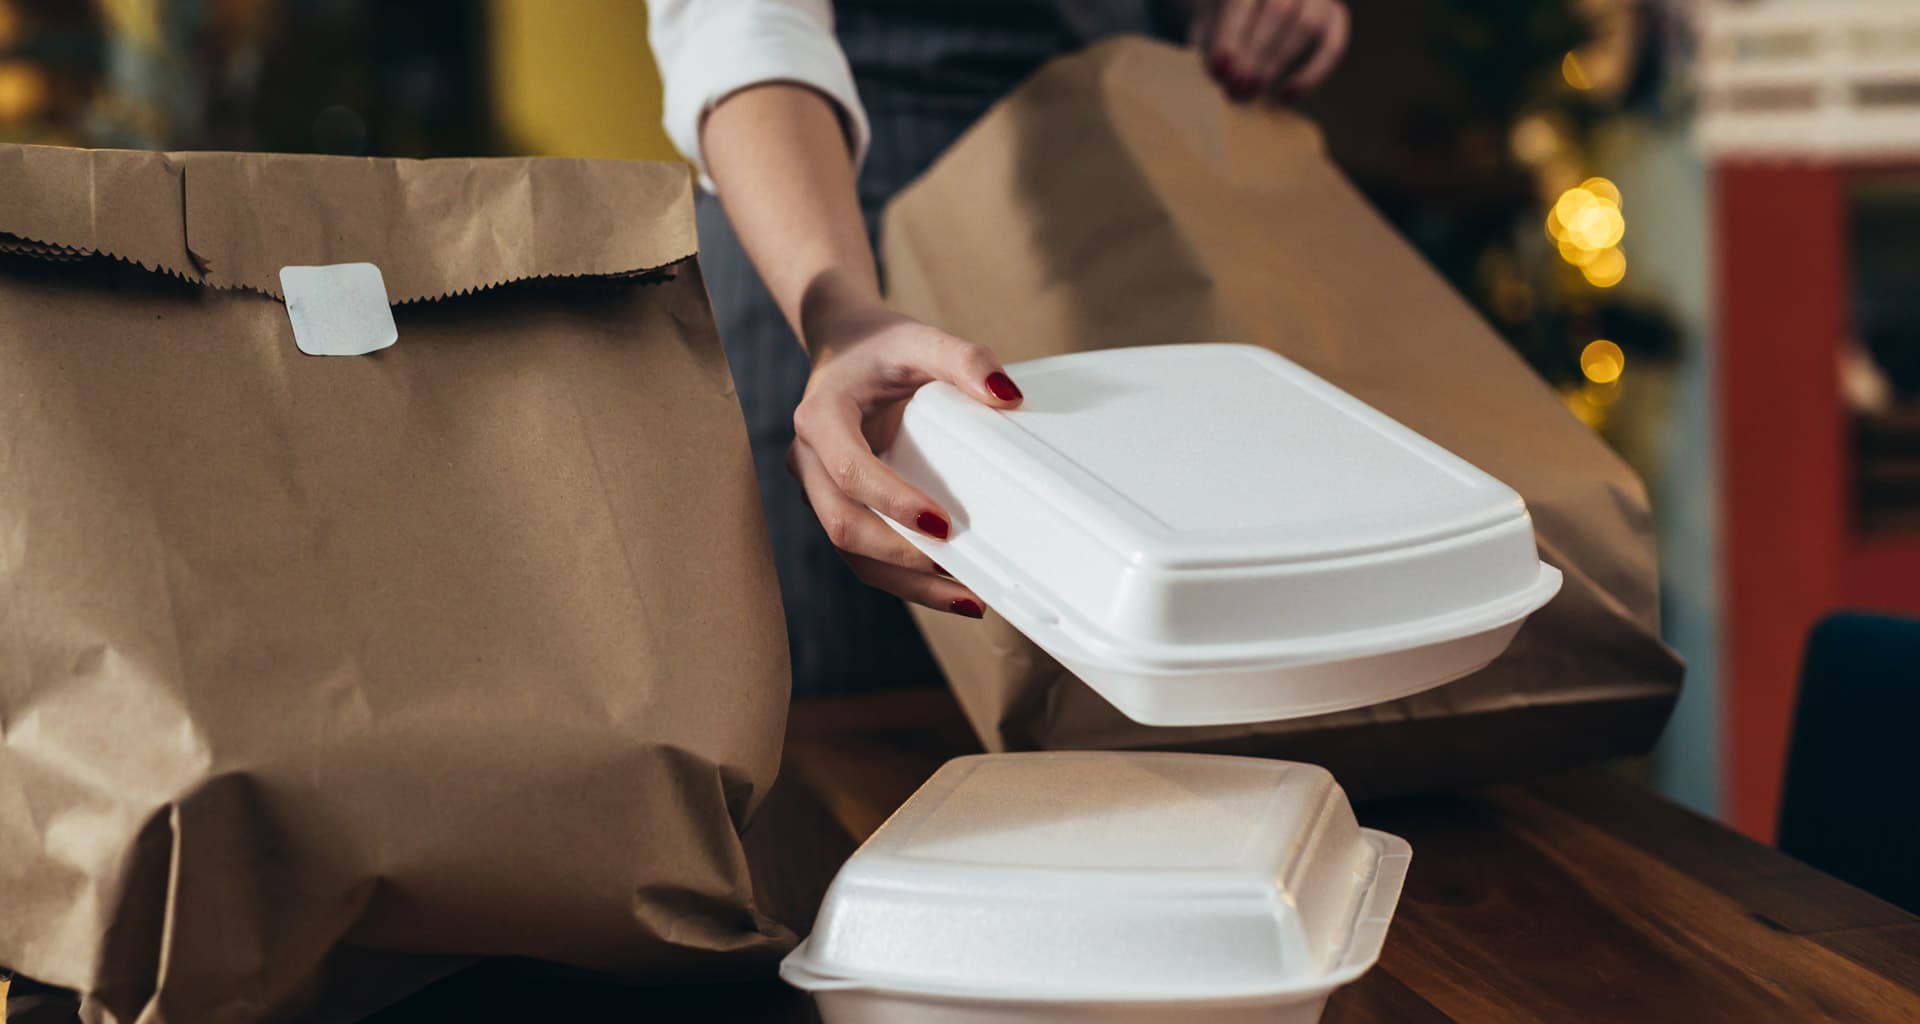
x=710 y=49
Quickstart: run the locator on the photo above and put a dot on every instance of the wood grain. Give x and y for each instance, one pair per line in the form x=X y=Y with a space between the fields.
x=1381 y=998
x=1576 y=898
x=1517 y=910
x=1777 y=890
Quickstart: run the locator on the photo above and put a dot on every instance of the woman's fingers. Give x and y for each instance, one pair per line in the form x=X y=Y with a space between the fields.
x=829 y=423
x=1230 y=57
x=1330 y=43
x=1294 y=38
x=936 y=592
x=1274 y=39
x=1251 y=45
x=890 y=369
x=858 y=391
x=851 y=526
x=974 y=369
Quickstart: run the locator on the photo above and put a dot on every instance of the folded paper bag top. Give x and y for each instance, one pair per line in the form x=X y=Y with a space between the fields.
x=1134 y=886
x=436 y=228
x=1210 y=534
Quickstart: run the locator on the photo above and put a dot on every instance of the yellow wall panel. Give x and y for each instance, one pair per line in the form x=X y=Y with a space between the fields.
x=575 y=78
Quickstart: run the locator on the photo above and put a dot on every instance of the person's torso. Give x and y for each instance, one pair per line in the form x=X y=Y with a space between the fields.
x=928 y=69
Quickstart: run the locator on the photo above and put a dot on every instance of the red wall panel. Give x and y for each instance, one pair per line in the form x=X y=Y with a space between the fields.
x=1782 y=305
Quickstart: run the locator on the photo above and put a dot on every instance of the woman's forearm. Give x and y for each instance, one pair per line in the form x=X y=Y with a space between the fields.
x=780 y=161
x=778 y=156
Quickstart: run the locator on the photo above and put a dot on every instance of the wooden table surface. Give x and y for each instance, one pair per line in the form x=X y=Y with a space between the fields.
x=1579 y=897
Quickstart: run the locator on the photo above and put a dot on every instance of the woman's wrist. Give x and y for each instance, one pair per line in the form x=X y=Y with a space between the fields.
x=839 y=308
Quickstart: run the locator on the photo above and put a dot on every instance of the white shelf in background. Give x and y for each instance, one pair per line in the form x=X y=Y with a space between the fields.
x=1836 y=79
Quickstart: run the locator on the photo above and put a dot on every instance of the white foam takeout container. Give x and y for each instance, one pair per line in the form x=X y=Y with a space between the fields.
x=1088 y=886
x=1209 y=533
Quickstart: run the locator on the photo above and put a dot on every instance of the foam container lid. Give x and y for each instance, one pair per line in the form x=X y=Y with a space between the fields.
x=1113 y=877
x=1209 y=533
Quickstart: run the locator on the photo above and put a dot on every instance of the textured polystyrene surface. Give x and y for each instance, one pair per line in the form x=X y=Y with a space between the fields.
x=1193 y=445
x=865 y=1006
x=1215 y=512
x=1196 y=815
x=1077 y=876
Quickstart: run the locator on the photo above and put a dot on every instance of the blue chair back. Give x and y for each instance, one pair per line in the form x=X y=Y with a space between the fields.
x=1851 y=804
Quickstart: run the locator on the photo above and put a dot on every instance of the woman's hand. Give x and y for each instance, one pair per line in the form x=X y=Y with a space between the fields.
x=1282 y=46
x=783 y=169
x=866 y=365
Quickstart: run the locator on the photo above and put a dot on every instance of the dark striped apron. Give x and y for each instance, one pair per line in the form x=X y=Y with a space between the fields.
x=926 y=70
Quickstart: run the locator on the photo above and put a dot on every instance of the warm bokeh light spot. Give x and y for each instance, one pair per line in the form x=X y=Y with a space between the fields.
x=23 y=90
x=1602 y=361
x=1603 y=189
x=1534 y=139
x=1607 y=268
x=1575 y=75
x=1571 y=202
x=1599 y=226
x=1575 y=254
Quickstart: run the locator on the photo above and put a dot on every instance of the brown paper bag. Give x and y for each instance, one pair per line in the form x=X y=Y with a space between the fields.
x=317 y=673
x=1118 y=199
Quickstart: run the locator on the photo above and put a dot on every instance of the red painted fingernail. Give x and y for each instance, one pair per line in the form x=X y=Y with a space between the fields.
x=1003 y=387
x=1218 y=65
x=931 y=524
x=969 y=607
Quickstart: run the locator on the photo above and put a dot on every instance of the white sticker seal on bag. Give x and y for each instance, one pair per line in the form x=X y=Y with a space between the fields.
x=339 y=309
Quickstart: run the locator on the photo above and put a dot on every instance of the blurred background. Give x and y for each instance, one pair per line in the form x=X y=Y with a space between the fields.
x=1699 y=221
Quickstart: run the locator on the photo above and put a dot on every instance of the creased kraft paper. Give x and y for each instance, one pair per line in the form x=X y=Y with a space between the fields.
x=319 y=676
x=1117 y=198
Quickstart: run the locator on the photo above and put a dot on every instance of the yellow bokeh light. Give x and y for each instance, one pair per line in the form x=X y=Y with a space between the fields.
x=23 y=90
x=1606 y=269
x=1580 y=402
x=1575 y=75
x=1571 y=202
x=1604 y=190
x=1576 y=254
x=1599 y=226
x=1602 y=361
x=1586 y=224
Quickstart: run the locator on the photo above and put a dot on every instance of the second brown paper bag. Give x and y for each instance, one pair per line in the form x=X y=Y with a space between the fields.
x=1117 y=198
